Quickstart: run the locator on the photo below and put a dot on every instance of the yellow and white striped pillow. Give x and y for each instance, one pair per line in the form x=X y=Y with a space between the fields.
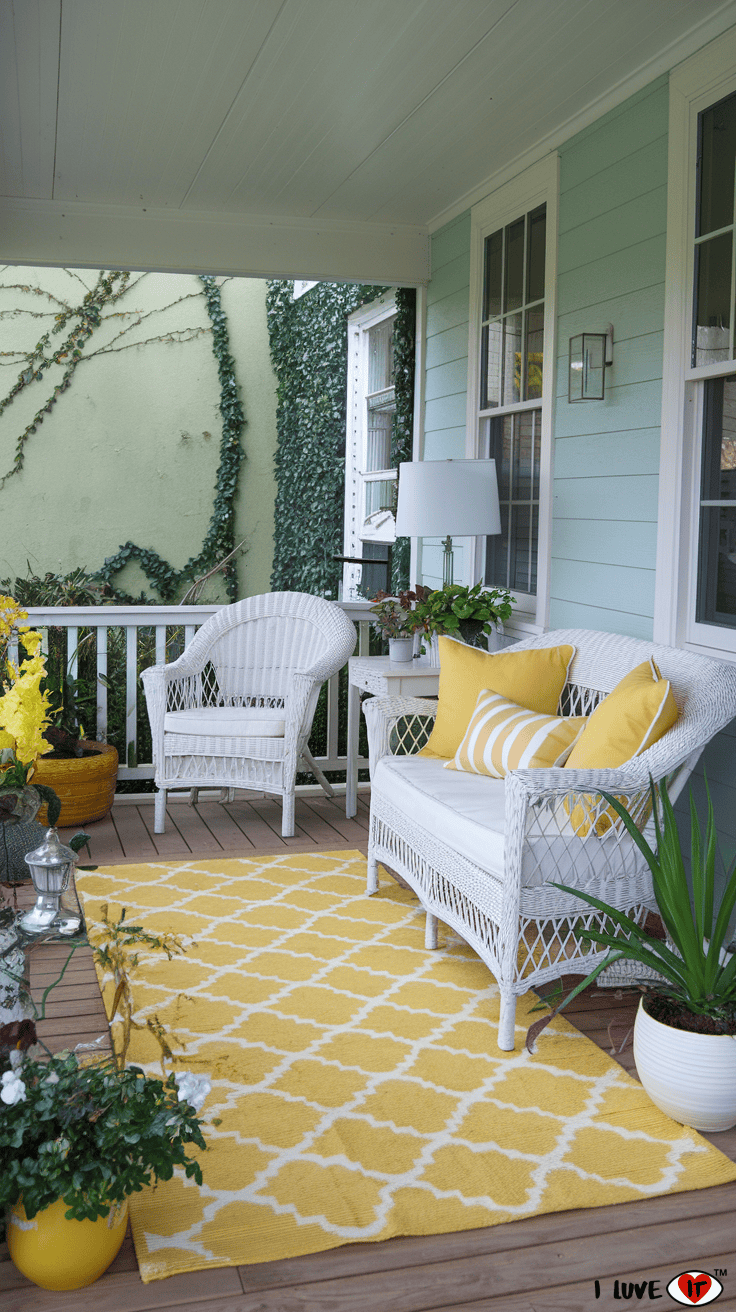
x=502 y=736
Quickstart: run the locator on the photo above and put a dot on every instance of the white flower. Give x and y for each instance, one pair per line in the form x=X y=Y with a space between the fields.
x=13 y=1089
x=192 y=1088
x=52 y=1078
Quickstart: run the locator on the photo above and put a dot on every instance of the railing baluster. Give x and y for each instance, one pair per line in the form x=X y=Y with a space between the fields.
x=72 y=655
x=101 y=689
x=364 y=638
x=131 y=695
x=160 y=644
x=189 y=632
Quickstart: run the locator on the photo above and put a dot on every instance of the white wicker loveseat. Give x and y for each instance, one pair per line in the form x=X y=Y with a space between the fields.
x=236 y=709
x=482 y=854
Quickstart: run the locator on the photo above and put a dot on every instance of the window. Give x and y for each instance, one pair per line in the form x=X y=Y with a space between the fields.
x=370 y=478
x=695 y=603
x=513 y=247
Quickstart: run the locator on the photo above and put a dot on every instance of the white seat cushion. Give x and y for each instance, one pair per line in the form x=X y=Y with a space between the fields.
x=465 y=812
x=228 y=722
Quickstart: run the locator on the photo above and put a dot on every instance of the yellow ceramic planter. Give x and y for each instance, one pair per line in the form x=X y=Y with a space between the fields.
x=59 y=1254
x=84 y=785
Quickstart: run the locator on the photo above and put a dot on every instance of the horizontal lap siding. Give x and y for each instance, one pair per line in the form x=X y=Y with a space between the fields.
x=447 y=364
x=611 y=266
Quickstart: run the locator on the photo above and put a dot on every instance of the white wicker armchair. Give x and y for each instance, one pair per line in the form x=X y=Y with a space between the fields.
x=483 y=854
x=236 y=709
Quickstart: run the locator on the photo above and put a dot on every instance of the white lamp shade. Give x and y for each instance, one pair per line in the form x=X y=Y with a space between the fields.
x=440 y=498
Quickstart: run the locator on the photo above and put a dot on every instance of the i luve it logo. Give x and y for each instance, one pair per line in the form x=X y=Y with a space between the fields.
x=694 y=1288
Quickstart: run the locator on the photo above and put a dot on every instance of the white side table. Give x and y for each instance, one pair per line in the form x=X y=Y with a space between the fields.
x=384 y=678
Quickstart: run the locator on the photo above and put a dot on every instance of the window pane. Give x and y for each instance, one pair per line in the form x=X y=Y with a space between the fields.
x=493 y=267
x=514 y=294
x=716 y=603
x=511 y=555
x=378 y=454
x=717 y=152
x=490 y=394
x=511 y=359
x=534 y=352
x=713 y=300
x=537 y=223
x=381 y=355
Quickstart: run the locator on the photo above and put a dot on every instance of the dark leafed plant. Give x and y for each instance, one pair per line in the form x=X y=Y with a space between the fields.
x=698 y=974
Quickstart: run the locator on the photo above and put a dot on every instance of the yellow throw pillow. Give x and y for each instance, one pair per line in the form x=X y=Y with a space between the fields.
x=533 y=678
x=502 y=736
x=635 y=715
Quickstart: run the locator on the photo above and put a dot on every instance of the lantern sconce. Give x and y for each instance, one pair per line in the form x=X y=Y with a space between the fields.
x=590 y=355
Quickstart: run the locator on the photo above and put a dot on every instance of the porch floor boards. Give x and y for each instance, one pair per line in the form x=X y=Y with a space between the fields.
x=547 y=1262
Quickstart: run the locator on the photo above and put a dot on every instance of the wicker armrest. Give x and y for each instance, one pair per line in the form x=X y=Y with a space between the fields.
x=382 y=715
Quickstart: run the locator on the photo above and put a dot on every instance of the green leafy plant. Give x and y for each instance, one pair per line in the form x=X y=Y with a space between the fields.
x=699 y=975
x=92 y=1134
x=463 y=612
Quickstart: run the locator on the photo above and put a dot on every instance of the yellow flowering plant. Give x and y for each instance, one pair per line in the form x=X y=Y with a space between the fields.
x=24 y=714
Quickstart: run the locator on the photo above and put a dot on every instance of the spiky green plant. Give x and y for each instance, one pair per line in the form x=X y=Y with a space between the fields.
x=696 y=972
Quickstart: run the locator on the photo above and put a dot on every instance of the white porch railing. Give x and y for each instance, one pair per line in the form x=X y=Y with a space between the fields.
x=129 y=638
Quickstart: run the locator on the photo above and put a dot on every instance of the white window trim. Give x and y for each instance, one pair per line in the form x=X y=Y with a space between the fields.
x=700 y=81
x=535 y=186
x=359 y=324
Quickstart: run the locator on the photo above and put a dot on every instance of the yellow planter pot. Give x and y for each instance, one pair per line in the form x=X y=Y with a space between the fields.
x=85 y=785
x=59 y=1254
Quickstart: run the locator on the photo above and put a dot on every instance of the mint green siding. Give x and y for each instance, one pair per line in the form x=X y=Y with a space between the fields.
x=611 y=266
x=446 y=380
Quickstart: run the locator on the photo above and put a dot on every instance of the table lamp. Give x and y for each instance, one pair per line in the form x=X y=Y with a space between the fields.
x=446 y=498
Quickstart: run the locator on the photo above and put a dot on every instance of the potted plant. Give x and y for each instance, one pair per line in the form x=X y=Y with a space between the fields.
x=459 y=611
x=76 y=1140
x=685 y=1029
x=394 y=619
x=24 y=715
x=82 y=771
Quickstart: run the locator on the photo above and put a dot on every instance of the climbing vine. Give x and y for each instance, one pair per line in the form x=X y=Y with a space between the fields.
x=219 y=541
x=79 y=323
x=403 y=425
x=309 y=354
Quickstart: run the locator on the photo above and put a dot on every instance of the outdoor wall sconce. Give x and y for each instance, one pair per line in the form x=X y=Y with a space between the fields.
x=590 y=354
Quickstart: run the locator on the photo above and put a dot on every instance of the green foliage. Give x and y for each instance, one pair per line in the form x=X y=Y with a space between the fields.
x=395 y=617
x=219 y=541
x=402 y=434
x=309 y=354
x=91 y=1135
x=698 y=974
x=462 y=611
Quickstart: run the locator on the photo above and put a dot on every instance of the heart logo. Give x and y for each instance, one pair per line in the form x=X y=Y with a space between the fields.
x=694 y=1285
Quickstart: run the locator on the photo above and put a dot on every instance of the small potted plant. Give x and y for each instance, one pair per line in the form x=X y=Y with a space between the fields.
x=394 y=619
x=76 y=1140
x=685 y=1029
x=469 y=613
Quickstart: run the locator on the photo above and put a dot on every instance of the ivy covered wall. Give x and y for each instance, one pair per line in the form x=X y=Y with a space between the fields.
x=309 y=354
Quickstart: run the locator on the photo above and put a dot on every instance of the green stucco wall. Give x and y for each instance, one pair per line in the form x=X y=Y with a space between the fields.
x=130 y=451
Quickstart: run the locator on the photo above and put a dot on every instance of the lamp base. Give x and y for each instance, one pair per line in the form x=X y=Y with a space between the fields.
x=448 y=563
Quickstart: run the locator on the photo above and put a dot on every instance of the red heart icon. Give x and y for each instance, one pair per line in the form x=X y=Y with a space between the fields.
x=694 y=1285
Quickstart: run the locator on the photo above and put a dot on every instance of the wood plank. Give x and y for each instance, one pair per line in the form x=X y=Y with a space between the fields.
x=227 y=833
x=350 y=830
x=104 y=842
x=133 y=834
x=124 y=1291
x=194 y=832
x=269 y=813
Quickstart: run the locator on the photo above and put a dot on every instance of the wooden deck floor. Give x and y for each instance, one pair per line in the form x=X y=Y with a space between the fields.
x=546 y=1264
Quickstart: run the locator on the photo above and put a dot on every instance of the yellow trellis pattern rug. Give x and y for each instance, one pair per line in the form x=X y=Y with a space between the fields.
x=356 y=1078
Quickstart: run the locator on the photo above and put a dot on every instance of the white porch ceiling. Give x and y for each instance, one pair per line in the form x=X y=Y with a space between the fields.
x=297 y=137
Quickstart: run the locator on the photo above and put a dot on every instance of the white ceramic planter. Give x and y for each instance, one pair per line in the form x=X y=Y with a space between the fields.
x=401 y=649
x=691 y=1077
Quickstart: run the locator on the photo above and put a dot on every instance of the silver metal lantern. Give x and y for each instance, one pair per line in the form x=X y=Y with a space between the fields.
x=52 y=870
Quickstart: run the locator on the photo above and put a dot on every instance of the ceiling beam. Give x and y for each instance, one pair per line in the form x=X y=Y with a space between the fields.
x=78 y=235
